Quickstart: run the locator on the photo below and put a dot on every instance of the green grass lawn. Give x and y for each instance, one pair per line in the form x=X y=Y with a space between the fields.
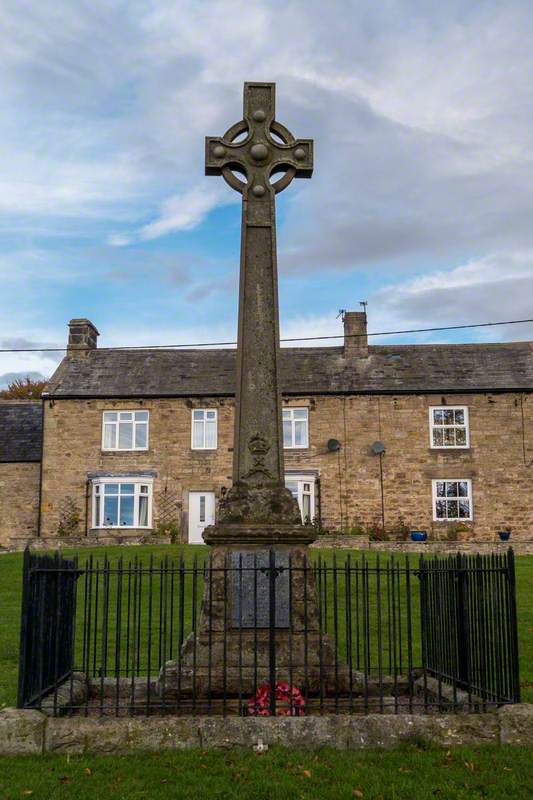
x=10 y=590
x=402 y=774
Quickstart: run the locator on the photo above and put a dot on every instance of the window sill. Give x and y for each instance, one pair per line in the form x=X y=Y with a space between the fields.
x=295 y=449
x=113 y=529
x=455 y=450
x=122 y=452
x=204 y=449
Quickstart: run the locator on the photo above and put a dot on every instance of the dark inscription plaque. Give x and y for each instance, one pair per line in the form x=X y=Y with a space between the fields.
x=250 y=580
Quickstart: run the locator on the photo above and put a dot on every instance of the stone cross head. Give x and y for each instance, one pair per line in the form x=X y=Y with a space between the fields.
x=267 y=149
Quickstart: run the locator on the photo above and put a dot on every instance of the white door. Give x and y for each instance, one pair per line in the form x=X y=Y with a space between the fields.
x=201 y=514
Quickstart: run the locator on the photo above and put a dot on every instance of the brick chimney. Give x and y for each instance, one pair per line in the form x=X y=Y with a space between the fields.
x=82 y=337
x=355 y=337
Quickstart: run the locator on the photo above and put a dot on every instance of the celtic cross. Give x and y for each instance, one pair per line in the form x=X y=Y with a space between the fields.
x=256 y=149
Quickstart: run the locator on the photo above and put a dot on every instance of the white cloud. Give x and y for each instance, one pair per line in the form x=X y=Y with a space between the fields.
x=185 y=211
x=495 y=288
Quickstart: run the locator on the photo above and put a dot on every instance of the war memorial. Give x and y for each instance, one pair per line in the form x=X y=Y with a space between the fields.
x=260 y=628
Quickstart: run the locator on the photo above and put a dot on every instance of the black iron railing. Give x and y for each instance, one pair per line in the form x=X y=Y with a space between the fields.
x=214 y=637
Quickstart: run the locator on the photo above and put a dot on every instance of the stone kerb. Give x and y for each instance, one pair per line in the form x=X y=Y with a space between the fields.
x=26 y=732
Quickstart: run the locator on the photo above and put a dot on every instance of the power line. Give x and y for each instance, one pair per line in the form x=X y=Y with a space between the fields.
x=293 y=339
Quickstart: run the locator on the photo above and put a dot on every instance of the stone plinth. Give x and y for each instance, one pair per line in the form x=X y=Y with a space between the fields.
x=232 y=650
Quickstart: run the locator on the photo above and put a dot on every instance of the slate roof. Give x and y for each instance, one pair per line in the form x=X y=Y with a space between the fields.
x=20 y=431
x=322 y=370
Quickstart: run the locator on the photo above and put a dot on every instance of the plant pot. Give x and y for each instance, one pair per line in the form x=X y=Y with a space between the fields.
x=419 y=536
x=504 y=535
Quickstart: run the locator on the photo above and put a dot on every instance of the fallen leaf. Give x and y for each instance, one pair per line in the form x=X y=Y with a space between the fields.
x=404 y=769
x=357 y=793
x=507 y=769
x=307 y=773
x=27 y=791
x=64 y=779
x=88 y=771
x=469 y=765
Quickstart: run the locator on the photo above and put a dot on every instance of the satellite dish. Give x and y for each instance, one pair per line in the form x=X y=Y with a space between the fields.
x=378 y=448
x=334 y=445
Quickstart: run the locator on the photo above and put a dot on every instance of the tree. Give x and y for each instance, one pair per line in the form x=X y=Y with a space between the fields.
x=23 y=389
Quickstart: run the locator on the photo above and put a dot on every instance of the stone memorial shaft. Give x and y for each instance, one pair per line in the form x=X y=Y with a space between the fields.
x=258 y=494
x=259 y=532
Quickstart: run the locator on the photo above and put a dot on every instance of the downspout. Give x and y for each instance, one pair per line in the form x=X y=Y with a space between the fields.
x=43 y=401
x=87 y=485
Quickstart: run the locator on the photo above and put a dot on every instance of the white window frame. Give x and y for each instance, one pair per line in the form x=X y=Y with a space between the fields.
x=301 y=480
x=289 y=412
x=433 y=426
x=469 y=497
x=138 y=482
x=116 y=424
x=204 y=412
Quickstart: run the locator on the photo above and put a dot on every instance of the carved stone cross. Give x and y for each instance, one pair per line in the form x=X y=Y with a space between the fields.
x=258 y=148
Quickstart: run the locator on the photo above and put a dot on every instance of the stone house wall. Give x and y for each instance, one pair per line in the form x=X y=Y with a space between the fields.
x=348 y=486
x=19 y=501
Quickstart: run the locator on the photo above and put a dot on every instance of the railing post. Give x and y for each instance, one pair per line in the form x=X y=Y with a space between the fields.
x=461 y=606
x=24 y=617
x=272 y=630
x=515 y=664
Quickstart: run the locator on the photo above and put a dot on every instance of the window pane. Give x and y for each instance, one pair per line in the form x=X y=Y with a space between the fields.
x=306 y=508
x=440 y=489
x=110 y=416
x=97 y=509
x=460 y=436
x=438 y=437
x=300 y=413
x=111 y=510
x=141 y=435
x=464 y=509
x=143 y=489
x=300 y=433
x=287 y=433
x=459 y=416
x=143 y=511
x=198 y=434
x=127 y=488
x=437 y=416
x=141 y=416
x=448 y=416
x=127 y=416
x=463 y=489
x=440 y=507
x=453 y=509
x=449 y=437
x=110 y=488
x=211 y=434
x=126 y=510
x=210 y=414
x=202 y=508
x=125 y=435
x=109 y=436
x=451 y=489
x=199 y=415
x=286 y=413
x=292 y=486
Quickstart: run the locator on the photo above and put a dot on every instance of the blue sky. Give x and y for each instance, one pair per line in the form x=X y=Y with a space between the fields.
x=421 y=201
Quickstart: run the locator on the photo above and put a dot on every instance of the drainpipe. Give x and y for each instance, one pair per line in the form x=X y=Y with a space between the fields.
x=87 y=485
x=43 y=401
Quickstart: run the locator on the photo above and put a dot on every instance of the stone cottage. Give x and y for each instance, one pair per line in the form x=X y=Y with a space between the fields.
x=433 y=437
x=20 y=468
